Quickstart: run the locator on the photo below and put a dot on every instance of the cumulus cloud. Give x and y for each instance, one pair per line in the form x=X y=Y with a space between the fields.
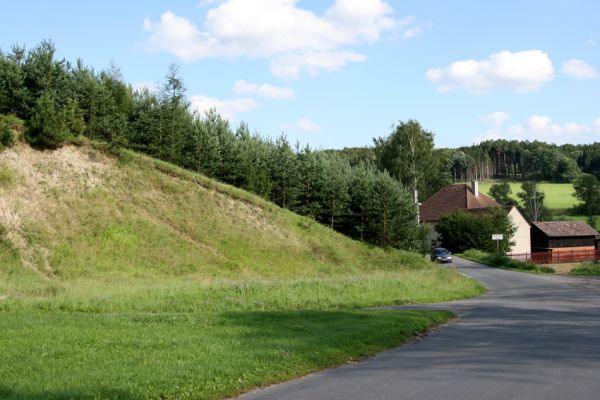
x=303 y=125
x=263 y=90
x=228 y=109
x=496 y=118
x=579 y=70
x=242 y=28
x=292 y=66
x=542 y=127
x=523 y=71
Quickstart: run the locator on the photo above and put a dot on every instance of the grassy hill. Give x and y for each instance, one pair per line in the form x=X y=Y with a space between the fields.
x=125 y=277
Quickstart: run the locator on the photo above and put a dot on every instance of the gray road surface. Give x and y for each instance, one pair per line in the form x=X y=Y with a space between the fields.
x=530 y=337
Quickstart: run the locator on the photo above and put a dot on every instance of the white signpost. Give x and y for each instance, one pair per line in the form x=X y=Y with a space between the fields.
x=497 y=237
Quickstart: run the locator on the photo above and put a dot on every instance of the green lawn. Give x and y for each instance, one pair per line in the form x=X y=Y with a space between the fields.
x=182 y=339
x=58 y=355
x=558 y=195
x=559 y=199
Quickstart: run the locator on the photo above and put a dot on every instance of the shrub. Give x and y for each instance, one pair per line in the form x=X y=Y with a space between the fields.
x=9 y=127
x=48 y=126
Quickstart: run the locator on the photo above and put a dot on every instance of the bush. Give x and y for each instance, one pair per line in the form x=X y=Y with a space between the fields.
x=9 y=127
x=48 y=126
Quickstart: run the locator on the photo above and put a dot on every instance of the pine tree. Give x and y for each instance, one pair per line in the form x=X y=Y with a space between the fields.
x=48 y=125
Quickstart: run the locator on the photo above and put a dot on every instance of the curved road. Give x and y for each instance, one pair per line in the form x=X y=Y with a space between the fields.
x=530 y=337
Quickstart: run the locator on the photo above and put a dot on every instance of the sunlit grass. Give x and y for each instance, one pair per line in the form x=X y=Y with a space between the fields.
x=558 y=196
x=586 y=269
x=161 y=282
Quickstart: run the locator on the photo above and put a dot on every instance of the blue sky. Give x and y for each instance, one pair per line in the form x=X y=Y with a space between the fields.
x=337 y=73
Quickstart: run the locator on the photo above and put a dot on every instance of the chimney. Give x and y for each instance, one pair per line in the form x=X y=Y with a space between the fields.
x=475 y=188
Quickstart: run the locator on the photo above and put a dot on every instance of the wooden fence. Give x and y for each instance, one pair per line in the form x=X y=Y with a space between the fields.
x=558 y=257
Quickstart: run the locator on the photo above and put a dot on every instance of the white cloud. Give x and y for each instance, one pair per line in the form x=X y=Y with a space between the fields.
x=542 y=127
x=205 y=3
x=272 y=29
x=147 y=25
x=579 y=70
x=264 y=90
x=292 y=66
x=496 y=118
x=523 y=71
x=228 y=109
x=411 y=32
x=536 y=126
x=140 y=86
x=304 y=125
x=591 y=42
x=410 y=27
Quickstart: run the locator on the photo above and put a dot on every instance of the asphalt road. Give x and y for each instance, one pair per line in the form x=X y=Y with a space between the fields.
x=530 y=337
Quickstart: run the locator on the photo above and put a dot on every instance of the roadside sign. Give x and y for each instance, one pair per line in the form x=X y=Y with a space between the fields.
x=497 y=236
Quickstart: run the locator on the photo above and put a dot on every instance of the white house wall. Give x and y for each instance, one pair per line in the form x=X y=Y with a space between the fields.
x=522 y=236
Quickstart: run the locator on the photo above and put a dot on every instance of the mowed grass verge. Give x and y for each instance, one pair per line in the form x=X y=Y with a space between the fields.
x=586 y=269
x=127 y=278
x=505 y=262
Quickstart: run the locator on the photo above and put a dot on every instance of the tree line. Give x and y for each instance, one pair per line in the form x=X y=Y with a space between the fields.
x=508 y=160
x=525 y=160
x=59 y=101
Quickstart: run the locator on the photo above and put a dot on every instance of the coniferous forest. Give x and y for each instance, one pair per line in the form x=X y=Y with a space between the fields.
x=60 y=101
x=365 y=193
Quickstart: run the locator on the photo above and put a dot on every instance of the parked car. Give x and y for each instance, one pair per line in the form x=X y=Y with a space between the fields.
x=439 y=254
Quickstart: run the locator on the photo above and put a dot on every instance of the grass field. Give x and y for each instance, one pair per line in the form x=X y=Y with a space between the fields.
x=559 y=196
x=127 y=278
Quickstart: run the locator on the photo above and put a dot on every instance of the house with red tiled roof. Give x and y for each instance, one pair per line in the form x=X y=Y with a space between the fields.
x=467 y=198
x=563 y=236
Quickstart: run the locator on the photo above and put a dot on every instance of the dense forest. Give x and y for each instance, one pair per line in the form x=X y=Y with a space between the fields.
x=60 y=101
x=502 y=159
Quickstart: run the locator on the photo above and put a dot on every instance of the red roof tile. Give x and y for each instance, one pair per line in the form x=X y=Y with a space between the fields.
x=452 y=198
x=566 y=228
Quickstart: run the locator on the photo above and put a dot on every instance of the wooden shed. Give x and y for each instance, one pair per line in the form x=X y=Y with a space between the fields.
x=563 y=236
